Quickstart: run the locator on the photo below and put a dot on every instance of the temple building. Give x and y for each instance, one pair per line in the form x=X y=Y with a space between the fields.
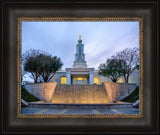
x=80 y=73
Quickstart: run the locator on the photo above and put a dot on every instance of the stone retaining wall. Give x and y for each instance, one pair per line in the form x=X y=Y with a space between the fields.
x=115 y=91
x=118 y=91
x=43 y=91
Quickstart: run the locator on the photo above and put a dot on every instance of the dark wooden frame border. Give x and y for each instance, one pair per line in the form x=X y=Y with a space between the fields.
x=146 y=124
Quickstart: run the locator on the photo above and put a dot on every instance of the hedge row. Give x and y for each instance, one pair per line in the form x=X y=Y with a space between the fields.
x=134 y=96
x=25 y=95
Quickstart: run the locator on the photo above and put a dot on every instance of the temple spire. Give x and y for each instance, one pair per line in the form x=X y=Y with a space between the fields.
x=80 y=56
x=79 y=36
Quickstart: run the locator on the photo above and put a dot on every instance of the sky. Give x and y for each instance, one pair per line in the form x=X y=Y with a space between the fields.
x=101 y=39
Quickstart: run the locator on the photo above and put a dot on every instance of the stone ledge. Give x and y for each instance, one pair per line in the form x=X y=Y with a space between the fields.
x=119 y=83
x=43 y=83
x=80 y=106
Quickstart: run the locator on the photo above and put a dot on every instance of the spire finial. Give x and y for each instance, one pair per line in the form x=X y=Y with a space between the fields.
x=79 y=36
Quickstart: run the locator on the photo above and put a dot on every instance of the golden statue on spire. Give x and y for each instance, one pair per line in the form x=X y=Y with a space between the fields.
x=79 y=36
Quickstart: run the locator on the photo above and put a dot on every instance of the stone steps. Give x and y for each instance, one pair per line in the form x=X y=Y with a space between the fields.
x=80 y=106
x=80 y=94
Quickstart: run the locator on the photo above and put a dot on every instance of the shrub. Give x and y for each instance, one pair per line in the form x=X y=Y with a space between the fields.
x=27 y=96
x=134 y=96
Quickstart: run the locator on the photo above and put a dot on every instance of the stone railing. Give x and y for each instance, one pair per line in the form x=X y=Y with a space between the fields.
x=118 y=91
x=43 y=91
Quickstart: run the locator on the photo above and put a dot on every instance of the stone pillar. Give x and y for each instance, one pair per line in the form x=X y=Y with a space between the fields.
x=91 y=77
x=68 y=74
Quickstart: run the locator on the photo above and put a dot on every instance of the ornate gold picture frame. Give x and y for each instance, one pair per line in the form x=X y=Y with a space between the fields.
x=80 y=116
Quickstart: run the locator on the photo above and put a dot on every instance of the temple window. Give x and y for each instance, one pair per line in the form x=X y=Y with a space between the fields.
x=63 y=80
x=120 y=80
x=96 y=80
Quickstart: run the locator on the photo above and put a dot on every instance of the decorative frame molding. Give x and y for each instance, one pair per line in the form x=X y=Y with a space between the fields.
x=11 y=11
x=82 y=19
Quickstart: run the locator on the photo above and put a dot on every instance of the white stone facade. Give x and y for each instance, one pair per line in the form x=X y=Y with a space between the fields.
x=134 y=77
x=86 y=74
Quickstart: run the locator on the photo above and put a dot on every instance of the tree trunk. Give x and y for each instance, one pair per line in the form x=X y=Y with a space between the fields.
x=127 y=78
x=114 y=80
x=45 y=79
x=35 y=81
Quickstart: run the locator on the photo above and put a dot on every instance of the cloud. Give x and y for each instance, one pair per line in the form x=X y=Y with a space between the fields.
x=101 y=39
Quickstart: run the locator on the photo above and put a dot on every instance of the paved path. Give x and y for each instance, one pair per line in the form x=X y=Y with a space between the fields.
x=79 y=111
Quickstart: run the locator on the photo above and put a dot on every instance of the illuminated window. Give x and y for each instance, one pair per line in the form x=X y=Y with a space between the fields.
x=96 y=80
x=63 y=80
x=120 y=80
x=80 y=80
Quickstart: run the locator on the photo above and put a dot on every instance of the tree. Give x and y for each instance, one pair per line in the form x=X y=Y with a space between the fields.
x=129 y=61
x=111 y=69
x=41 y=65
x=32 y=63
x=22 y=68
x=49 y=66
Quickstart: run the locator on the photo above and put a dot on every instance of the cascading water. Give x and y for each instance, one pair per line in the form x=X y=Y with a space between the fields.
x=80 y=94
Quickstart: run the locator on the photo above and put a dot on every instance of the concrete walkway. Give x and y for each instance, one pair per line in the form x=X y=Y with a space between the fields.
x=79 y=111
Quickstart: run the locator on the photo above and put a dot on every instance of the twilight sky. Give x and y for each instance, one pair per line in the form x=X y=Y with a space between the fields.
x=101 y=39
